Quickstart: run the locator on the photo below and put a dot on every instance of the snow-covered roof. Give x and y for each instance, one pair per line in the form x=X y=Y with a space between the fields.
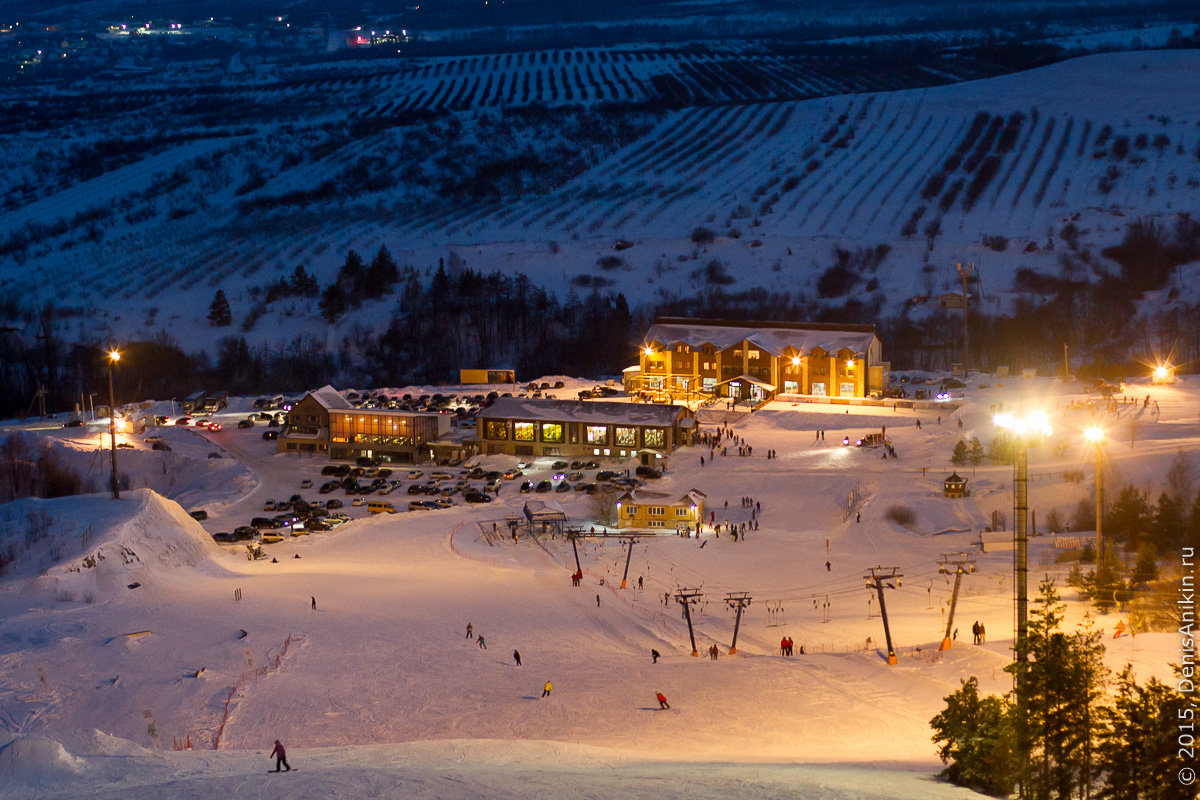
x=330 y=398
x=773 y=337
x=583 y=411
x=538 y=510
x=651 y=496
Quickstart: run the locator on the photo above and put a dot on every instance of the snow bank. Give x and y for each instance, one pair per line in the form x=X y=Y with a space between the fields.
x=89 y=547
x=34 y=758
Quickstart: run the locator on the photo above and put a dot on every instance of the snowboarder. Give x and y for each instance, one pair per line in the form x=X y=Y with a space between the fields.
x=517 y=657
x=655 y=656
x=280 y=756
x=314 y=604
x=482 y=645
x=546 y=689
x=470 y=631
x=662 y=700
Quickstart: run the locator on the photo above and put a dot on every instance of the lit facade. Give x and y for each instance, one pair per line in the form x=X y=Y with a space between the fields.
x=647 y=509
x=687 y=360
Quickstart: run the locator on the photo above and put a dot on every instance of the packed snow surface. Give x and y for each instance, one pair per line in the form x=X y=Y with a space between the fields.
x=355 y=654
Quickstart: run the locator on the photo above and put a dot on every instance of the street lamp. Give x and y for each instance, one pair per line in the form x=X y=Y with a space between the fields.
x=1023 y=427
x=113 y=358
x=1095 y=435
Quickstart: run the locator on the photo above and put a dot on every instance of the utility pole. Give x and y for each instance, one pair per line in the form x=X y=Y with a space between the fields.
x=572 y=535
x=628 y=556
x=962 y=277
x=686 y=598
x=961 y=563
x=738 y=600
x=880 y=577
x=1066 y=363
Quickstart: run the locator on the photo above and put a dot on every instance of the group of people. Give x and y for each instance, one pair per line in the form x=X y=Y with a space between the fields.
x=786 y=646
x=978 y=632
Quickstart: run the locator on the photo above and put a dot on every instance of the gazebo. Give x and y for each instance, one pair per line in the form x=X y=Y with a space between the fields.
x=955 y=486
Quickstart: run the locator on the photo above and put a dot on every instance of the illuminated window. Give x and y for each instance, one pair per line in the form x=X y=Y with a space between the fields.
x=597 y=434
x=523 y=431
x=631 y=511
x=626 y=437
x=496 y=429
x=656 y=511
x=654 y=437
x=682 y=512
x=552 y=432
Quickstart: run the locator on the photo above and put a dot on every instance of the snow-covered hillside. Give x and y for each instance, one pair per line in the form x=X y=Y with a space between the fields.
x=350 y=645
x=1006 y=172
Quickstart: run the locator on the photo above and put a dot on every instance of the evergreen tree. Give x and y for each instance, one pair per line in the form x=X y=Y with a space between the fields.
x=303 y=283
x=1060 y=679
x=382 y=275
x=1191 y=532
x=1137 y=749
x=352 y=277
x=975 y=740
x=333 y=303
x=1145 y=569
x=219 y=313
x=975 y=451
x=960 y=453
x=1129 y=518
x=1168 y=522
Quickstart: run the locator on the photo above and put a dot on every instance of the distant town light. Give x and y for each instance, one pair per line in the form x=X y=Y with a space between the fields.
x=1094 y=435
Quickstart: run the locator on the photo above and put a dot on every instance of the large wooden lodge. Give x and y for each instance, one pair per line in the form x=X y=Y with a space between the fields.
x=696 y=359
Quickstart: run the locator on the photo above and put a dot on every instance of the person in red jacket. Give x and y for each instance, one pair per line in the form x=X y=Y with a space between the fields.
x=280 y=756
x=662 y=701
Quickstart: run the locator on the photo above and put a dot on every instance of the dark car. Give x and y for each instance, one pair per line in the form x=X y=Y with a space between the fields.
x=199 y=514
x=577 y=465
x=559 y=465
x=526 y=487
x=563 y=487
x=224 y=538
x=649 y=473
x=160 y=446
x=73 y=423
x=544 y=486
x=270 y=436
x=245 y=423
x=262 y=523
x=245 y=532
x=319 y=525
x=475 y=496
x=591 y=465
x=332 y=504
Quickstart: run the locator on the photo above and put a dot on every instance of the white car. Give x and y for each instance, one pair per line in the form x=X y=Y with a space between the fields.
x=414 y=474
x=359 y=502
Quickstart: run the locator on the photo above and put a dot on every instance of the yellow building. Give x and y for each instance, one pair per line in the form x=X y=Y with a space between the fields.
x=651 y=509
x=686 y=359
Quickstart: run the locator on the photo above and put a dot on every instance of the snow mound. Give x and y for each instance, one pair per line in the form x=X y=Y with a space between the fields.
x=38 y=758
x=90 y=547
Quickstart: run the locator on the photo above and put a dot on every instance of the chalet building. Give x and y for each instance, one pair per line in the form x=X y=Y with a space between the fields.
x=651 y=509
x=325 y=422
x=528 y=427
x=690 y=360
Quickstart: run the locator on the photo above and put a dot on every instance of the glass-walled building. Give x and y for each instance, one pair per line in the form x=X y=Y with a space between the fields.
x=527 y=427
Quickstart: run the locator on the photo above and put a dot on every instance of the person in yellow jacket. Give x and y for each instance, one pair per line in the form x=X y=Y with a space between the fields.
x=546 y=689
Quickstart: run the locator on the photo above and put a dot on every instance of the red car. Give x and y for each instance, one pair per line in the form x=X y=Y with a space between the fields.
x=214 y=426
x=184 y=421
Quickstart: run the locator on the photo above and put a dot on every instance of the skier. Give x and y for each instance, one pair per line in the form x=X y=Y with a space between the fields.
x=546 y=689
x=655 y=656
x=639 y=583
x=517 y=657
x=470 y=633
x=482 y=646
x=662 y=700
x=280 y=756
x=314 y=604
x=597 y=601
x=828 y=567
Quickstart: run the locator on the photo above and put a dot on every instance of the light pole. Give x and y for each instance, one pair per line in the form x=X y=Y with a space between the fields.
x=113 y=358
x=1023 y=427
x=1096 y=437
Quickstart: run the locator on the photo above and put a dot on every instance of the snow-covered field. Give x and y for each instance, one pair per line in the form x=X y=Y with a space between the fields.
x=377 y=692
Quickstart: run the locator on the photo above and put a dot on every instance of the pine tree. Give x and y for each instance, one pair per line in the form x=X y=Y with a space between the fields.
x=1168 y=522
x=352 y=278
x=1136 y=752
x=975 y=451
x=382 y=275
x=333 y=303
x=1060 y=679
x=1129 y=517
x=960 y=453
x=975 y=740
x=219 y=313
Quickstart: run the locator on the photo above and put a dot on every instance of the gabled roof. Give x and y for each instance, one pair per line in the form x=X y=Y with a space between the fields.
x=330 y=398
x=773 y=337
x=651 y=496
x=599 y=413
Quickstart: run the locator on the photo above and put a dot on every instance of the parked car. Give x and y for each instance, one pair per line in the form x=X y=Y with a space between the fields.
x=160 y=446
x=334 y=503
x=306 y=483
x=543 y=486
x=199 y=514
x=270 y=436
x=476 y=496
x=269 y=505
x=559 y=465
x=245 y=423
x=244 y=533
x=526 y=487
x=563 y=487
x=73 y=423
x=224 y=538
x=184 y=421
x=649 y=473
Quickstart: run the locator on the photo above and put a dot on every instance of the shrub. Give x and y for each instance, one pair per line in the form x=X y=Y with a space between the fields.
x=995 y=242
x=716 y=274
x=610 y=262
x=836 y=281
x=703 y=236
x=901 y=515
